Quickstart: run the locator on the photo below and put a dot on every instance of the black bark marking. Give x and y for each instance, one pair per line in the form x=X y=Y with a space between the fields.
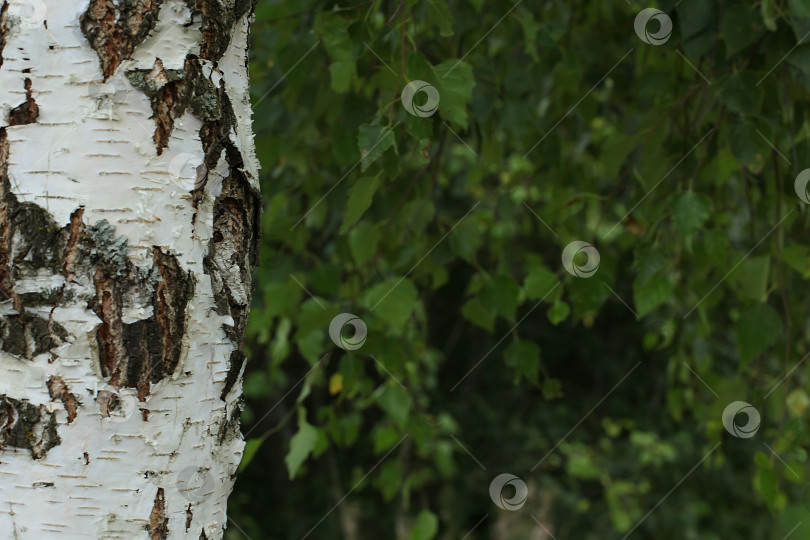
x=25 y=335
x=189 y=517
x=26 y=112
x=218 y=19
x=143 y=352
x=235 y=364
x=27 y=426
x=115 y=28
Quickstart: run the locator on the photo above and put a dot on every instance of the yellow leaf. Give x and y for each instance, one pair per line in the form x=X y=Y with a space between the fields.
x=335 y=384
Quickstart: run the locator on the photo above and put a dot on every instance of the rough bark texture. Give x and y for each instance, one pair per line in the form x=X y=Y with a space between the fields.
x=129 y=219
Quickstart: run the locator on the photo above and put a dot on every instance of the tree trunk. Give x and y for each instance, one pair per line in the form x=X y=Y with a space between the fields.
x=129 y=210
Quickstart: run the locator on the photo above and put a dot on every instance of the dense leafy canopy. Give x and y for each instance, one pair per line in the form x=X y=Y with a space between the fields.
x=444 y=230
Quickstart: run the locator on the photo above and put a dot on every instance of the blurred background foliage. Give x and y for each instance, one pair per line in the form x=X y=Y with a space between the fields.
x=444 y=235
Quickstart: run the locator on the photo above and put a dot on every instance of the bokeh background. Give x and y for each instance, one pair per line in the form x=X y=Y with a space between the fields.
x=673 y=152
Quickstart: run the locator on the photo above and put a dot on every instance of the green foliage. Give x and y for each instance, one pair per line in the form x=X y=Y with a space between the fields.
x=444 y=232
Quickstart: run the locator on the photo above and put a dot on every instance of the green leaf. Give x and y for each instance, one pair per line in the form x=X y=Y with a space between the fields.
x=333 y=29
x=745 y=144
x=741 y=26
x=372 y=141
x=456 y=81
x=769 y=14
x=751 y=278
x=301 y=445
x=393 y=301
x=384 y=438
x=524 y=357
x=439 y=15
x=694 y=17
x=539 y=282
x=758 y=327
x=651 y=293
x=798 y=257
x=615 y=152
x=690 y=211
x=475 y=312
x=426 y=526
x=363 y=242
x=360 y=196
x=251 y=447
x=396 y=402
x=741 y=94
x=558 y=312
x=500 y=294
x=466 y=238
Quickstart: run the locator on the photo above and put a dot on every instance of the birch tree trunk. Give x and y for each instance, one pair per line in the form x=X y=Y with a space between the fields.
x=129 y=210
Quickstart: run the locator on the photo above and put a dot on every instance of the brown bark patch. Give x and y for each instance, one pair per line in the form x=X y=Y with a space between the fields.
x=58 y=389
x=158 y=521
x=71 y=250
x=3 y=30
x=115 y=28
x=27 y=112
x=27 y=426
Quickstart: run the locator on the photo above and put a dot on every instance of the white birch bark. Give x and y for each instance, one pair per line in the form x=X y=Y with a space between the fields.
x=128 y=222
